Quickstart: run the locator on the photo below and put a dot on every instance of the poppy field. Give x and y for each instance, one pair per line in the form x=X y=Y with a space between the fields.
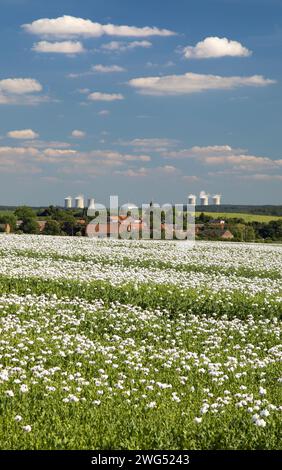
x=139 y=345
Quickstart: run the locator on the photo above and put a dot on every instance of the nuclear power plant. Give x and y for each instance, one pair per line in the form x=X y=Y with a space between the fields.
x=68 y=202
x=217 y=199
x=192 y=199
x=204 y=199
x=79 y=203
x=91 y=203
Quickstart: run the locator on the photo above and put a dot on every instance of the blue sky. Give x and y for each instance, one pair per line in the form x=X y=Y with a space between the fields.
x=147 y=100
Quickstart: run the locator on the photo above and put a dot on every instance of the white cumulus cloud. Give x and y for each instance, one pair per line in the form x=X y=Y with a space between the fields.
x=216 y=47
x=19 y=91
x=230 y=160
x=194 y=83
x=19 y=86
x=63 y=47
x=69 y=26
x=97 y=96
x=23 y=134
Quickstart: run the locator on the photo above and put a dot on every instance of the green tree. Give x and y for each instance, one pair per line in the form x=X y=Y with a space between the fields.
x=30 y=225
x=9 y=218
x=69 y=225
x=250 y=234
x=203 y=218
x=238 y=231
x=52 y=227
x=24 y=213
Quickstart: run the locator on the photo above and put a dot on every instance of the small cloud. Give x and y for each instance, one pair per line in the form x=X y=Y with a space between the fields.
x=132 y=173
x=25 y=100
x=190 y=179
x=104 y=112
x=151 y=144
x=79 y=75
x=97 y=96
x=108 y=68
x=23 y=134
x=41 y=144
x=97 y=69
x=198 y=151
x=83 y=91
x=20 y=86
x=64 y=47
x=154 y=65
x=19 y=91
x=122 y=46
x=52 y=152
x=78 y=134
x=213 y=47
x=168 y=169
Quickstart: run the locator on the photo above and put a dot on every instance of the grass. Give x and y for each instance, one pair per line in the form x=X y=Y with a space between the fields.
x=173 y=299
x=245 y=217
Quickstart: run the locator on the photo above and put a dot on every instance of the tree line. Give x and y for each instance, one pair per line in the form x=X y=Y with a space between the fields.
x=73 y=222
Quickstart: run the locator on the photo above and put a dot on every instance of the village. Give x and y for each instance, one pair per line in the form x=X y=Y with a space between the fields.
x=75 y=222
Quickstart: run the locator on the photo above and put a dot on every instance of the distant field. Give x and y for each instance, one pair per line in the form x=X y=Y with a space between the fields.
x=246 y=217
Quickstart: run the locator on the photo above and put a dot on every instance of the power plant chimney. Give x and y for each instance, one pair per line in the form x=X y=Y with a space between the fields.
x=68 y=202
x=91 y=203
x=204 y=198
x=192 y=199
x=217 y=199
x=79 y=202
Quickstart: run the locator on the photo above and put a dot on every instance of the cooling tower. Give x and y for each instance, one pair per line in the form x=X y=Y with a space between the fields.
x=204 y=198
x=79 y=202
x=217 y=199
x=68 y=202
x=192 y=199
x=91 y=203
